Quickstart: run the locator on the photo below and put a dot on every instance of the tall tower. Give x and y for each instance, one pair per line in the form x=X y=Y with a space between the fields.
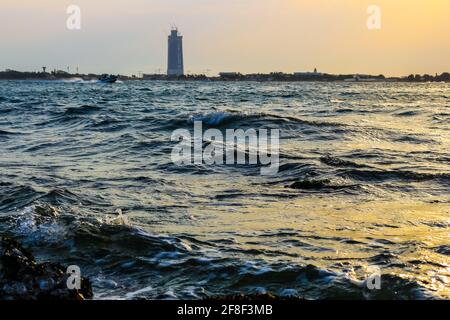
x=175 y=55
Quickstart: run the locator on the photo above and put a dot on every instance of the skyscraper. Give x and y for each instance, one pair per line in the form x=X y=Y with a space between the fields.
x=175 y=54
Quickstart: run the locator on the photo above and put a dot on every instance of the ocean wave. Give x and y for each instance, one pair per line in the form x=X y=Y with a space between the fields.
x=38 y=225
x=444 y=249
x=41 y=146
x=5 y=110
x=320 y=185
x=78 y=80
x=150 y=258
x=222 y=118
x=8 y=133
x=309 y=282
x=408 y=113
x=338 y=162
x=84 y=109
x=107 y=125
x=402 y=175
x=443 y=118
x=15 y=100
x=16 y=196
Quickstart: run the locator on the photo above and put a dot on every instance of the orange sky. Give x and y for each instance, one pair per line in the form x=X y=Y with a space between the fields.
x=229 y=35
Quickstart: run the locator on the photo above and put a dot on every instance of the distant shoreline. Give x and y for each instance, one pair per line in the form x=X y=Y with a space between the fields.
x=230 y=76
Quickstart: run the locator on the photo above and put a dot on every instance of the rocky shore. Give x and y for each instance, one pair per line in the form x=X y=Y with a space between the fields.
x=22 y=278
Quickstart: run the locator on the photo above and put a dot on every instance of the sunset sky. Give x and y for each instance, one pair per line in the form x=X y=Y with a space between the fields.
x=228 y=35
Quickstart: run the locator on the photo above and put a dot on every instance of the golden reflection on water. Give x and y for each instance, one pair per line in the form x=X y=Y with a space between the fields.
x=327 y=232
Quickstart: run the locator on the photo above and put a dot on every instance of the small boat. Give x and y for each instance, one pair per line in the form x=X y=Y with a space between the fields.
x=108 y=78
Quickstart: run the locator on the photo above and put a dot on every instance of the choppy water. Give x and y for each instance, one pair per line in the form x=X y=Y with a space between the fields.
x=371 y=163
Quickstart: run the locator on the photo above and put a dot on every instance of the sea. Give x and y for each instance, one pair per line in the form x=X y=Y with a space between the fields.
x=363 y=184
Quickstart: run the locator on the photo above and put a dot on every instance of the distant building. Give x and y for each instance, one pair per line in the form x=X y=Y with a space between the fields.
x=175 y=65
x=302 y=74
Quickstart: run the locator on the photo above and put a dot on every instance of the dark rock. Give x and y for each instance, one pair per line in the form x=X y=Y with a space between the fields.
x=22 y=278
